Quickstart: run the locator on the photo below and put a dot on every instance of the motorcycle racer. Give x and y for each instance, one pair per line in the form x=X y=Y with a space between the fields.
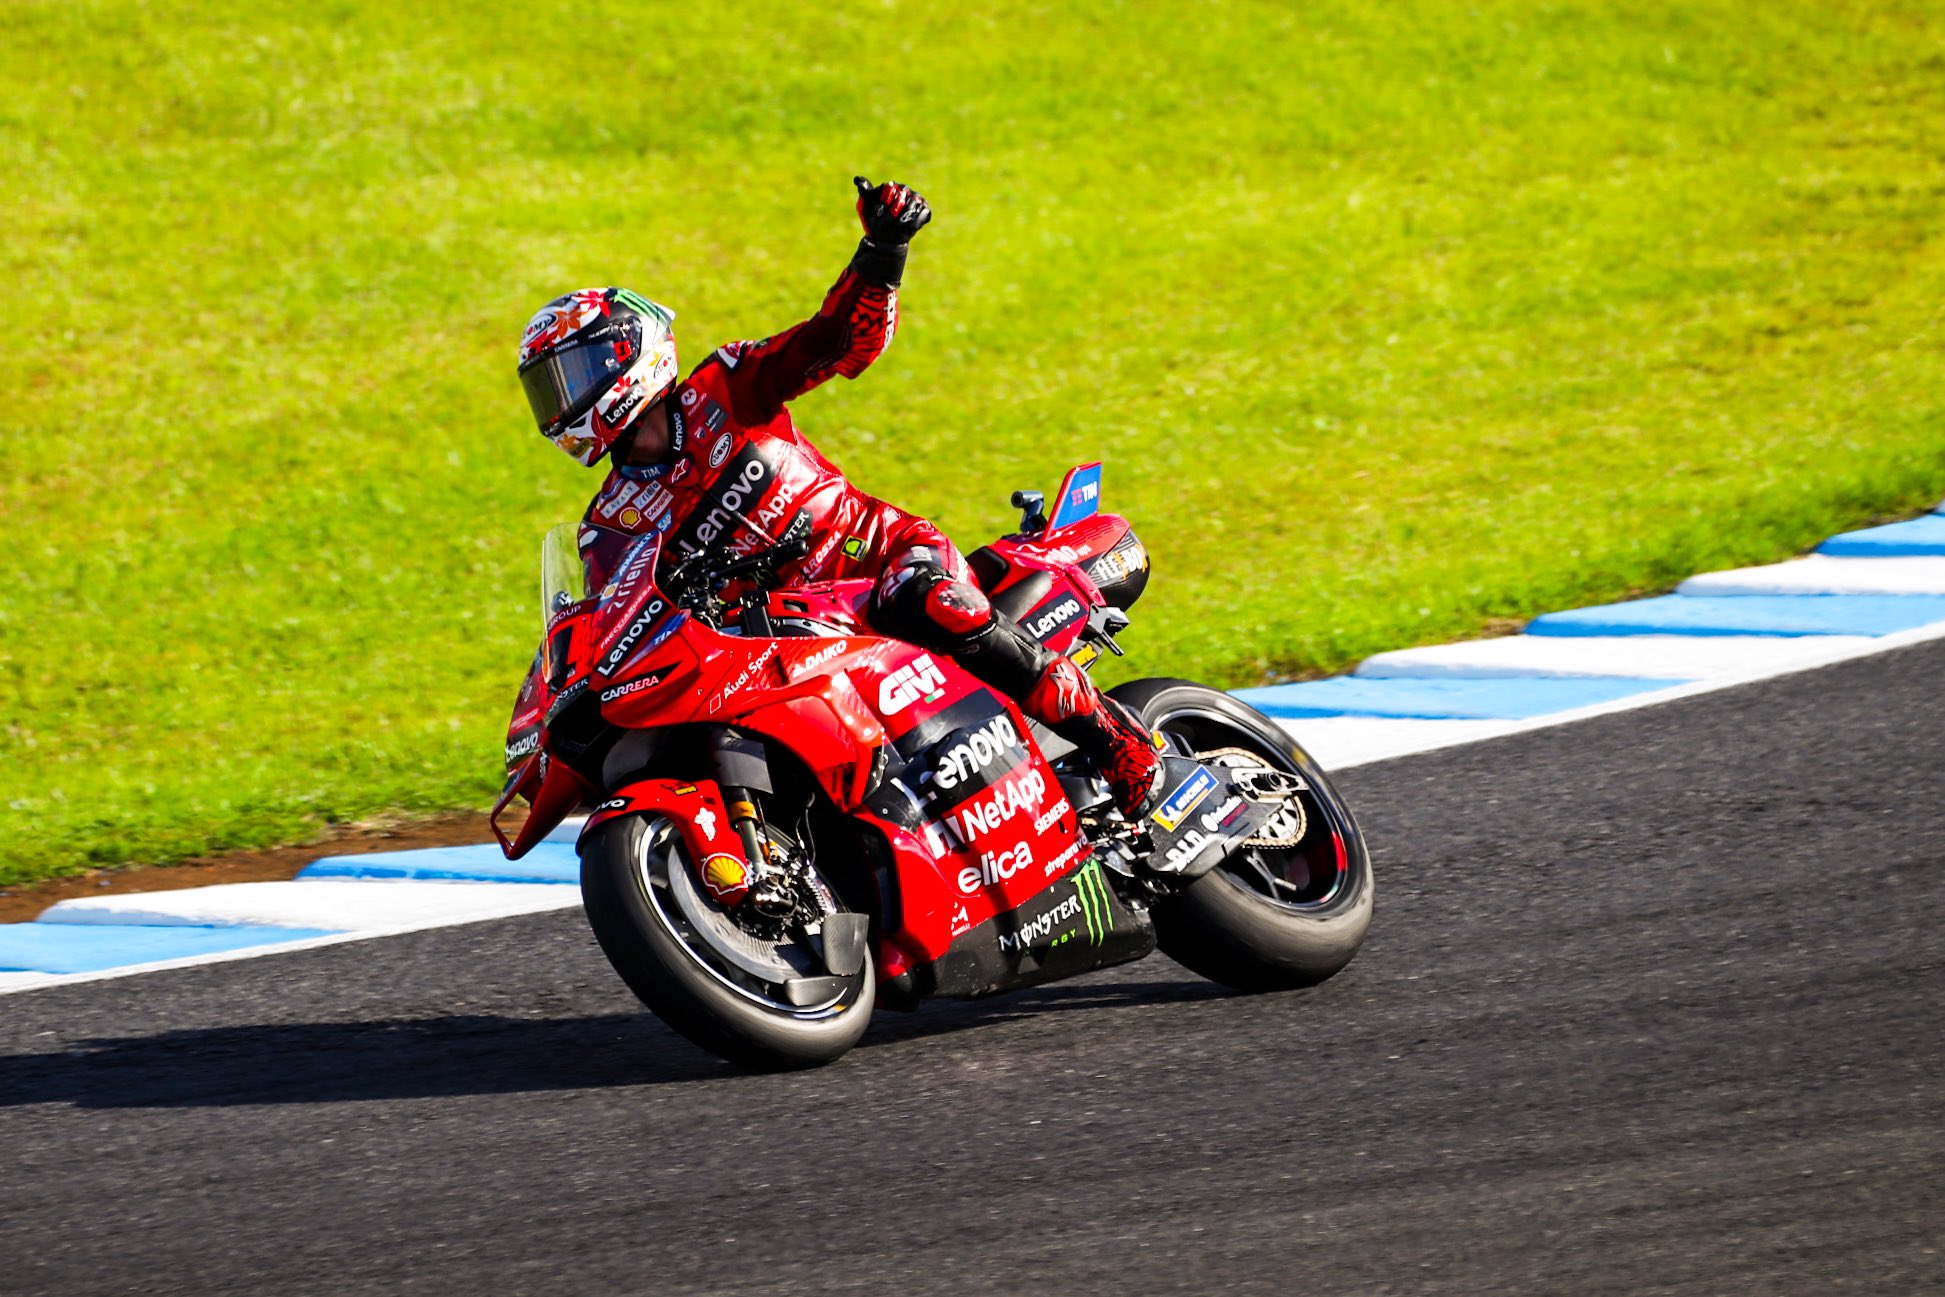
x=716 y=459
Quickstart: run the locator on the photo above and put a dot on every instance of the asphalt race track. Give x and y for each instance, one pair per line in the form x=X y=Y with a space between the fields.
x=1651 y=1005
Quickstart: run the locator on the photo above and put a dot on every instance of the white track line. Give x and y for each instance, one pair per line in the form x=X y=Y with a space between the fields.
x=1824 y=574
x=349 y=905
x=1338 y=745
x=564 y=897
x=1646 y=657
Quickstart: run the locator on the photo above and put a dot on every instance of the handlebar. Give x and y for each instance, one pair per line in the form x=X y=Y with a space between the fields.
x=698 y=580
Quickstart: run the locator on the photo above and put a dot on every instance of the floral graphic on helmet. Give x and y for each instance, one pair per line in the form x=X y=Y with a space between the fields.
x=560 y=319
x=578 y=444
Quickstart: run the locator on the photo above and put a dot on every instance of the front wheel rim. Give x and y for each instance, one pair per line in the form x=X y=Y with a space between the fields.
x=660 y=872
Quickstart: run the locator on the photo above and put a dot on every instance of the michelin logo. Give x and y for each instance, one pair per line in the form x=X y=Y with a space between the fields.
x=1185 y=799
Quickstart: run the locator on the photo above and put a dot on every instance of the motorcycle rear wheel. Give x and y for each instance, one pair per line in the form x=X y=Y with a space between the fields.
x=702 y=972
x=1269 y=918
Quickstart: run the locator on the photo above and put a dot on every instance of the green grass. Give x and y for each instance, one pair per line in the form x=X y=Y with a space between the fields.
x=1391 y=320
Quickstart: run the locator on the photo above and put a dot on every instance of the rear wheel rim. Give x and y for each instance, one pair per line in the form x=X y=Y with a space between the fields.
x=1314 y=875
x=708 y=935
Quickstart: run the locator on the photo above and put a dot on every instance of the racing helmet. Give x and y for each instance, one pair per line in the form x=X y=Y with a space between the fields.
x=592 y=362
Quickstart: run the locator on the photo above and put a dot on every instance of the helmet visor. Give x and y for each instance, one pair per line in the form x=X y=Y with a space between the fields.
x=562 y=384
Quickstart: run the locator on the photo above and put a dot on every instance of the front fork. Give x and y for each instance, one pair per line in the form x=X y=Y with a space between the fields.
x=772 y=888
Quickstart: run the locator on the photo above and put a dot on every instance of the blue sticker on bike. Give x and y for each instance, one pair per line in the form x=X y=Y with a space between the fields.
x=1080 y=497
x=1185 y=799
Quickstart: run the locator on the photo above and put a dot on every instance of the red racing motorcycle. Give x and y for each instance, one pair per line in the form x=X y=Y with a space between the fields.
x=792 y=820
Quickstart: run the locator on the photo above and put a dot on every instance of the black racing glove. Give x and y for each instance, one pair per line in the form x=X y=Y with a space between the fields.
x=891 y=214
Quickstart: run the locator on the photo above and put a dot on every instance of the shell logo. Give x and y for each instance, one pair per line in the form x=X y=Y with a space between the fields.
x=727 y=879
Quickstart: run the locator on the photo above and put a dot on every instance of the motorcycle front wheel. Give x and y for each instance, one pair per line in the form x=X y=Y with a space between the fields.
x=756 y=992
x=1289 y=913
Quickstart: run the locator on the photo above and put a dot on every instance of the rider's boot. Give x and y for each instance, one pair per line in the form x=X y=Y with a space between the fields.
x=1123 y=749
x=1058 y=694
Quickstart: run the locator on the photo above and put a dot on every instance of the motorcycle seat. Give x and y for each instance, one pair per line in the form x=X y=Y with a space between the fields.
x=1017 y=599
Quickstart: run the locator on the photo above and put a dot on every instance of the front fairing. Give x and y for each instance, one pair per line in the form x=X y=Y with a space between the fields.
x=585 y=639
x=616 y=653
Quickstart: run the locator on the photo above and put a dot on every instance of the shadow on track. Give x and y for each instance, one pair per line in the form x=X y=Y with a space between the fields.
x=321 y=1062
x=943 y=1017
x=329 y=1062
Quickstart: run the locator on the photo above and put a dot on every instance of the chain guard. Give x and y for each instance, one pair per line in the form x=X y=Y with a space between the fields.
x=1260 y=783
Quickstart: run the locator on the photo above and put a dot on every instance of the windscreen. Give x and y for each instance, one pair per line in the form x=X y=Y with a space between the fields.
x=581 y=561
x=563 y=579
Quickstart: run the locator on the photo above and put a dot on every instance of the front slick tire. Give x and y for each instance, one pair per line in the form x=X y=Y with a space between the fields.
x=668 y=941
x=1267 y=919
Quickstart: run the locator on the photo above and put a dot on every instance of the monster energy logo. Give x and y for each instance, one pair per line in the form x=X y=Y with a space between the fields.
x=642 y=306
x=1089 y=902
x=1092 y=888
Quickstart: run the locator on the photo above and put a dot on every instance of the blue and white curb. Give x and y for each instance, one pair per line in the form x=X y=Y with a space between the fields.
x=337 y=899
x=1861 y=593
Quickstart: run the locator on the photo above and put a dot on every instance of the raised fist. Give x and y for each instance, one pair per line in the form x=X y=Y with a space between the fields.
x=890 y=213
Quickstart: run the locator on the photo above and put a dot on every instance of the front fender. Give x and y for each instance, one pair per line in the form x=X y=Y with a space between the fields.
x=696 y=809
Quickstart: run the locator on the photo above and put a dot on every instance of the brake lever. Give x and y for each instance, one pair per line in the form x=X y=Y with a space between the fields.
x=778 y=554
x=746 y=565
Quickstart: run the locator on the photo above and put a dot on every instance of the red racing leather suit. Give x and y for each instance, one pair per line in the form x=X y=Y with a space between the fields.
x=736 y=451
x=739 y=469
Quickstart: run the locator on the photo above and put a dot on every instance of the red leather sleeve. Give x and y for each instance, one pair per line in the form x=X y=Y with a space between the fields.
x=849 y=331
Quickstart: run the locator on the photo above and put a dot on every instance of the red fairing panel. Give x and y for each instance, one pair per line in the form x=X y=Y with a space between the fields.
x=1089 y=538
x=997 y=827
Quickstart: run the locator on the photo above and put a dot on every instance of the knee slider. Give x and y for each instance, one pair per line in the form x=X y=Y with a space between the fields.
x=915 y=601
x=957 y=608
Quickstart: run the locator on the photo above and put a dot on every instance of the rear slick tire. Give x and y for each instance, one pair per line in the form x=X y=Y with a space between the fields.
x=1269 y=919
x=621 y=861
